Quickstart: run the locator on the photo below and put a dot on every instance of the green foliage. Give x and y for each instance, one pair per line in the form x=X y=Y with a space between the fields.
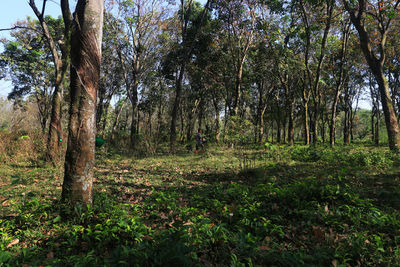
x=239 y=131
x=310 y=206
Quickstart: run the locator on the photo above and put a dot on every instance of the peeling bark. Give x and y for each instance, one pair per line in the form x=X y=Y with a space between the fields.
x=85 y=73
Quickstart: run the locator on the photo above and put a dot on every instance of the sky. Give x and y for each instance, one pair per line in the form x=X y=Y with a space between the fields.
x=12 y=11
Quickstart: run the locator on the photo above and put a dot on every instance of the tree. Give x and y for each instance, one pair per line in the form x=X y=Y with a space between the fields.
x=189 y=28
x=340 y=77
x=135 y=45
x=86 y=39
x=373 y=23
x=60 y=55
x=27 y=62
x=239 y=19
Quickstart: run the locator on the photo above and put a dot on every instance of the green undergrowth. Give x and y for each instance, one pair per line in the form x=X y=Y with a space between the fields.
x=297 y=206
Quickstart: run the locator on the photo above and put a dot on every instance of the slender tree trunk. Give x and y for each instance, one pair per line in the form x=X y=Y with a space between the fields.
x=85 y=73
x=174 y=114
x=104 y=120
x=217 y=122
x=225 y=122
x=339 y=84
x=55 y=136
x=133 y=136
x=261 y=130
x=306 y=125
x=377 y=127
x=372 y=126
x=314 y=125
x=117 y=117
x=238 y=90
x=376 y=66
x=182 y=132
x=278 y=130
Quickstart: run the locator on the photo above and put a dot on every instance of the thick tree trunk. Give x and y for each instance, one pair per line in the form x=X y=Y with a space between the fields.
x=85 y=72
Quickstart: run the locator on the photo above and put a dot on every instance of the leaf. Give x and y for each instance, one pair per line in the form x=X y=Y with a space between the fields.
x=57 y=219
x=334 y=263
x=12 y=243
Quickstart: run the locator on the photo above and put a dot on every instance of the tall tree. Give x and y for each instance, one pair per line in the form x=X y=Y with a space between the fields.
x=60 y=55
x=373 y=22
x=86 y=39
x=340 y=77
x=189 y=27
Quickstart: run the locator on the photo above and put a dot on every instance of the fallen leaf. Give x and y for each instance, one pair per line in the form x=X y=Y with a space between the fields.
x=12 y=243
x=263 y=248
x=334 y=263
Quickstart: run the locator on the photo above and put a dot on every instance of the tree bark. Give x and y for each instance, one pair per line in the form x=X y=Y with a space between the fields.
x=306 y=125
x=376 y=66
x=291 y=124
x=85 y=73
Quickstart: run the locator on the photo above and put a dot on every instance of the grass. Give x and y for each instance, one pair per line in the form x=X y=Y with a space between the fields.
x=297 y=206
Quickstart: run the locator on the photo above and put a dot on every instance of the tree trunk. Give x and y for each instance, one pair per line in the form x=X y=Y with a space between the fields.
x=291 y=122
x=306 y=125
x=238 y=93
x=339 y=84
x=174 y=114
x=217 y=122
x=376 y=66
x=118 y=115
x=133 y=128
x=85 y=73
x=54 y=140
x=261 y=130
x=377 y=127
x=225 y=122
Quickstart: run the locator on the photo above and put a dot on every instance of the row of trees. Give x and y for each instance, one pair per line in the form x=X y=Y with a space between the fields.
x=292 y=65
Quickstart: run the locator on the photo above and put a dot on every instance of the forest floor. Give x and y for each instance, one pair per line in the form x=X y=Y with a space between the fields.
x=284 y=206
